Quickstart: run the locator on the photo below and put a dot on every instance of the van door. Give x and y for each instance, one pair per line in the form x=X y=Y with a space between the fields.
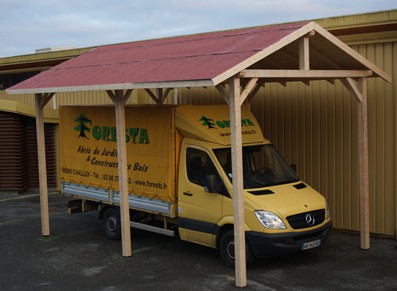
x=199 y=211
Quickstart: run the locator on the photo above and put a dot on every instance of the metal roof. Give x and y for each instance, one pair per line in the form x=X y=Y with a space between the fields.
x=195 y=60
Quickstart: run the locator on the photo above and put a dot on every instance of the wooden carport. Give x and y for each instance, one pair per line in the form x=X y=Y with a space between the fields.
x=237 y=63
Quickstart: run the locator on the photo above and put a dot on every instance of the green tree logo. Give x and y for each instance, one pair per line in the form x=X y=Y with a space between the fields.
x=82 y=127
x=207 y=122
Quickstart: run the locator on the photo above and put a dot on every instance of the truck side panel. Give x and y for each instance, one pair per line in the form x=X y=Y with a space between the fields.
x=89 y=154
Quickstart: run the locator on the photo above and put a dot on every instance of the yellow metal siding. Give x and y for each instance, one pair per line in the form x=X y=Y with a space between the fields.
x=69 y=98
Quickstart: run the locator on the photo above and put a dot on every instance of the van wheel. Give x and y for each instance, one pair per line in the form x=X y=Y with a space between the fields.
x=112 y=223
x=226 y=250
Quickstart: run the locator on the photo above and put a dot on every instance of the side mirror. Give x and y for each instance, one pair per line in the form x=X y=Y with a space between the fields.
x=293 y=167
x=211 y=184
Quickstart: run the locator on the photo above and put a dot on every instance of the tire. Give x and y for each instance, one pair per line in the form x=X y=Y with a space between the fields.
x=226 y=250
x=112 y=223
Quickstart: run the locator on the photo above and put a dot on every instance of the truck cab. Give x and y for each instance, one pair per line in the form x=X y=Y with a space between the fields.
x=282 y=213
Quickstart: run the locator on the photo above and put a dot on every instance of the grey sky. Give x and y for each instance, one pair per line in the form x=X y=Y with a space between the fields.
x=29 y=25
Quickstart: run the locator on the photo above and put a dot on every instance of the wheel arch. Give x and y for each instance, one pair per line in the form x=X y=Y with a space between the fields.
x=221 y=231
x=105 y=207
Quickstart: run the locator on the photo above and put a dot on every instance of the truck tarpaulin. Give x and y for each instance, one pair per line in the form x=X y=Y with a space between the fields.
x=89 y=149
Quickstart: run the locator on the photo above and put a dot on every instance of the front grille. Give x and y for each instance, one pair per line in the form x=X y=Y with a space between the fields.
x=303 y=220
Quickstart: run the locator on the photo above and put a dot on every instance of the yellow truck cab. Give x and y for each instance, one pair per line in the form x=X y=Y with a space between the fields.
x=282 y=214
x=180 y=179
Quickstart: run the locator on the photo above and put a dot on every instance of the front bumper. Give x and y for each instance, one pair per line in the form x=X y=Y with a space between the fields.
x=265 y=245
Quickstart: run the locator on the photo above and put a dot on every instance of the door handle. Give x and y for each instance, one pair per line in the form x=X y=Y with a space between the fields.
x=187 y=194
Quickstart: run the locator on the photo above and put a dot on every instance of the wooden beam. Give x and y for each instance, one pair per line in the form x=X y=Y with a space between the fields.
x=124 y=96
x=305 y=74
x=363 y=164
x=252 y=83
x=158 y=96
x=152 y=95
x=237 y=172
x=40 y=101
x=120 y=98
x=351 y=85
x=111 y=95
x=252 y=94
x=45 y=98
x=284 y=84
x=221 y=90
x=304 y=60
x=165 y=95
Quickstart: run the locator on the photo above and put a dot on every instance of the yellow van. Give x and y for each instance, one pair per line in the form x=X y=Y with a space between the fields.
x=180 y=179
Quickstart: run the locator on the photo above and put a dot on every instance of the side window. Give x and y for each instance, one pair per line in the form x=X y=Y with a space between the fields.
x=199 y=165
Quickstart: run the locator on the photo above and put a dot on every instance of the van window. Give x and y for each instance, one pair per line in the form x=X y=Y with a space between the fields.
x=262 y=165
x=199 y=165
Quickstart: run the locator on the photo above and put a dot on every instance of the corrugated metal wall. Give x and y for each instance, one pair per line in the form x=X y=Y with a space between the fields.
x=75 y=98
x=18 y=153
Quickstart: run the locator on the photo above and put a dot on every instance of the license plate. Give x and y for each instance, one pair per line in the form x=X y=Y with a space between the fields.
x=311 y=244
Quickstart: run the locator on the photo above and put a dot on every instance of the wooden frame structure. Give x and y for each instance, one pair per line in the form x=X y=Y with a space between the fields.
x=237 y=84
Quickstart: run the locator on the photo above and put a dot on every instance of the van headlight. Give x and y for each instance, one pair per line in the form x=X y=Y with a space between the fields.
x=270 y=220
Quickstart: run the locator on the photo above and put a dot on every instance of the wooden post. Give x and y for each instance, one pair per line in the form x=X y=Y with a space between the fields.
x=363 y=164
x=304 y=60
x=237 y=171
x=120 y=99
x=40 y=101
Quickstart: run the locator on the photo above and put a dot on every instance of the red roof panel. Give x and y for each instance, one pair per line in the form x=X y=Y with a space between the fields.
x=184 y=58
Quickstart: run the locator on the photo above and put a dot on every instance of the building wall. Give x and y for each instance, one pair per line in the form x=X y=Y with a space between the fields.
x=18 y=153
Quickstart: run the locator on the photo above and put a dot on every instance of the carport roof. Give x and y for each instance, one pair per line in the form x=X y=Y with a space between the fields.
x=206 y=59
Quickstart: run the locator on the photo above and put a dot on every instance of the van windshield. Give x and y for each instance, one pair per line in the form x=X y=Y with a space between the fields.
x=263 y=166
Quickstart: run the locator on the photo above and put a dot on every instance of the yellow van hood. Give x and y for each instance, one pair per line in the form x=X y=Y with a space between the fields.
x=287 y=200
x=212 y=123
